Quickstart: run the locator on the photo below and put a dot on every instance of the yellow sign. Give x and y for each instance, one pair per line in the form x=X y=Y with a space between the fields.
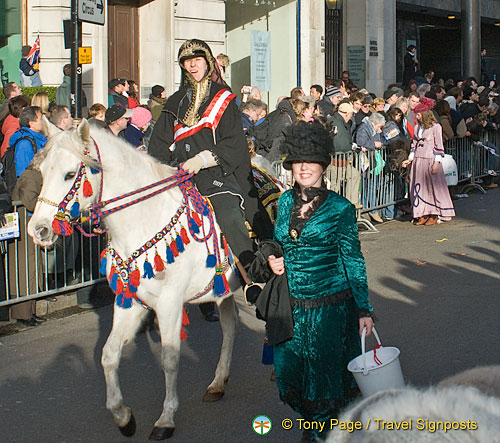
x=85 y=55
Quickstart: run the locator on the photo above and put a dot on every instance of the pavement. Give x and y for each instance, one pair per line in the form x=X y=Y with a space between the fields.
x=435 y=291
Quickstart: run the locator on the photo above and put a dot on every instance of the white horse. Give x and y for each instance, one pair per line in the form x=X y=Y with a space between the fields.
x=124 y=169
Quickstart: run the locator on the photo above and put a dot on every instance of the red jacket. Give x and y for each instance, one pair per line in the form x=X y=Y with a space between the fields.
x=10 y=125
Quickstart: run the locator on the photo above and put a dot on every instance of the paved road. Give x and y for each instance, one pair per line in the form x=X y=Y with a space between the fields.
x=437 y=301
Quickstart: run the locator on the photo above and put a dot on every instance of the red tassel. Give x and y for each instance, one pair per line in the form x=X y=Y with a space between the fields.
x=196 y=218
x=158 y=261
x=87 y=188
x=119 y=286
x=61 y=227
x=111 y=272
x=185 y=318
x=226 y=285
x=103 y=253
x=135 y=277
x=226 y=247
x=173 y=246
x=183 y=334
x=184 y=236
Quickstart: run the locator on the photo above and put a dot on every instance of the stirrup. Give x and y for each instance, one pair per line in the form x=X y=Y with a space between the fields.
x=252 y=292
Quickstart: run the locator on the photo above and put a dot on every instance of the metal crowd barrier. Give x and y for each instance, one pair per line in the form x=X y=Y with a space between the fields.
x=30 y=272
x=365 y=179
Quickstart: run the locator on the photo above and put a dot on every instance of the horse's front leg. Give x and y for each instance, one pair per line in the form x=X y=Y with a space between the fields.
x=169 y=314
x=228 y=320
x=125 y=325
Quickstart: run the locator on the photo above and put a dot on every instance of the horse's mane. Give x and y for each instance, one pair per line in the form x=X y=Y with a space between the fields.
x=70 y=141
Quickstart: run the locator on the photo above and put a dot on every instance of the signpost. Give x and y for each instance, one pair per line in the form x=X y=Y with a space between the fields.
x=91 y=11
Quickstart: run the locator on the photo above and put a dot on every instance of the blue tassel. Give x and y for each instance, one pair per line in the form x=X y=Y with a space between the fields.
x=94 y=171
x=127 y=302
x=104 y=265
x=193 y=227
x=211 y=261
x=113 y=284
x=179 y=243
x=148 y=270
x=219 y=288
x=170 y=255
x=132 y=288
x=119 y=300
x=75 y=209
x=267 y=354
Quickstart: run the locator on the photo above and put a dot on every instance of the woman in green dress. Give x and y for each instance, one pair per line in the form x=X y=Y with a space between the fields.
x=327 y=281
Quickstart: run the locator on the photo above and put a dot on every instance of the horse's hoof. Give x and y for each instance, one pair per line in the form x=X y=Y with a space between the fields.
x=158 y=434
x=129 y=429
x=212 y=396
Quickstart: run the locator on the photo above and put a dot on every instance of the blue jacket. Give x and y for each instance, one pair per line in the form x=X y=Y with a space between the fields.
x=24 y=149
x=366 y=135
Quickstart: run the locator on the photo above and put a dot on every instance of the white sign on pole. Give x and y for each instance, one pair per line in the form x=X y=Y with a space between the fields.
x=260 y=60
x=91 y=11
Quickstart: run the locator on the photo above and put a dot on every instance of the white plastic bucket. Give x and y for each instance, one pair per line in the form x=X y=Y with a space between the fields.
x=450 y=170
x=372 y=376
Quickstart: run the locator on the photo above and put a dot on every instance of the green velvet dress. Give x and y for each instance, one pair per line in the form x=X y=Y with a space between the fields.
x=328 y=288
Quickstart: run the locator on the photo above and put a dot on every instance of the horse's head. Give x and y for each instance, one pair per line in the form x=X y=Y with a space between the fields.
x=59 y=163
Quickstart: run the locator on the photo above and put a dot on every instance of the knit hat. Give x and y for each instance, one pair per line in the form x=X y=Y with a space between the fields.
x=307 y=142
x=426 y=104
x=432 y=95
x=332 y=91
x=156 y=90
x=141 y=117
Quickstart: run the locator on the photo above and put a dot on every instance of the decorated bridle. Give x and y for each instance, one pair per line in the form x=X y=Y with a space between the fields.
x=124 y=275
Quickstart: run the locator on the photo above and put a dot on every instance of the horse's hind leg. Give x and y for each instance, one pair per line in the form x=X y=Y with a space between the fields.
x=228 y=319
x=125 y=325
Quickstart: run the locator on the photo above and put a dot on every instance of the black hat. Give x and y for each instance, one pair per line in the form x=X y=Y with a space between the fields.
x=115 y=82
x=156 y=90
x=114 y=112
x=307 y=142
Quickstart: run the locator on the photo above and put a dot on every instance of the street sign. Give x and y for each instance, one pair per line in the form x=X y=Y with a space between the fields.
x=85 y=55
x=91 y=11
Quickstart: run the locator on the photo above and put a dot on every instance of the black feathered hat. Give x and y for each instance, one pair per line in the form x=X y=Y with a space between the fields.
x=307 y=142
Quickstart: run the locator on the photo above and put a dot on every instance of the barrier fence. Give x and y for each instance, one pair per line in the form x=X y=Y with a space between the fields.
x=367 y=179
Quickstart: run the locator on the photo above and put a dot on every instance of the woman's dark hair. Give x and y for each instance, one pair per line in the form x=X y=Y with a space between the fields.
x=131 y=89
x=17 y=104
x=392 y=113
x=411 y=47
x=443 y=108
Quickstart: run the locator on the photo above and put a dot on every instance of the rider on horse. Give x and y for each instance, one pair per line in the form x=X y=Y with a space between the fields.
x=200 y=128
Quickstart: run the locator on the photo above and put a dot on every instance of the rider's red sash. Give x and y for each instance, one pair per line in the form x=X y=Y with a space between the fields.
x=211 y=117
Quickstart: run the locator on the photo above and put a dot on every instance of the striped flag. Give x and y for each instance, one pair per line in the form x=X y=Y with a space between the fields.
x=34 y=55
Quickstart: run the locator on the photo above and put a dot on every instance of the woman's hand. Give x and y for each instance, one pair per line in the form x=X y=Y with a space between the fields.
x=378 y=144
x=277 y=265
x=365 y=322
x=405 y=163
x=435 y=168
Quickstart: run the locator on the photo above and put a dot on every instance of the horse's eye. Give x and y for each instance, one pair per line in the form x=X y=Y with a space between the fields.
x=69 y=175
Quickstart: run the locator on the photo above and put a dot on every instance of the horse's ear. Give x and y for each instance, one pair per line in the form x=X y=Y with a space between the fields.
x=83 y=130
x=49 y=129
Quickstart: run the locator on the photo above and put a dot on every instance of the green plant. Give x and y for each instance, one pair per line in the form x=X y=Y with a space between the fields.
x=30 y=91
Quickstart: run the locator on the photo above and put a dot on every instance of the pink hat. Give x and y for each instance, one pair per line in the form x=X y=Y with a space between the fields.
x=141 y=117
x=426 y=104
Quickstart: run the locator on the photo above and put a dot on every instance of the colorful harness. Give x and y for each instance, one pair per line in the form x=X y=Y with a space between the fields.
x=124 y=276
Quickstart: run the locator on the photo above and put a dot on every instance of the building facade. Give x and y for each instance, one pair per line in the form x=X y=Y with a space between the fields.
x=276 y=44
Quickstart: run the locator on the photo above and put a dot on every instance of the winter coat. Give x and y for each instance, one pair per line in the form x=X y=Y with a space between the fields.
x=117 y=99
x=366 y=135
x=326 y=107
x=9 y=127
x=155 y=105
x=24 y=149
x=445 y=122
x=343 y=139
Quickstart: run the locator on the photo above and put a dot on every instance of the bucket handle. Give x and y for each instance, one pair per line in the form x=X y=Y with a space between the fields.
x=363 y=347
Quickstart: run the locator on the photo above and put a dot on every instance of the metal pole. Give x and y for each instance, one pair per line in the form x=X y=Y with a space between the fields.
x=76 y=69
x=471 y=38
